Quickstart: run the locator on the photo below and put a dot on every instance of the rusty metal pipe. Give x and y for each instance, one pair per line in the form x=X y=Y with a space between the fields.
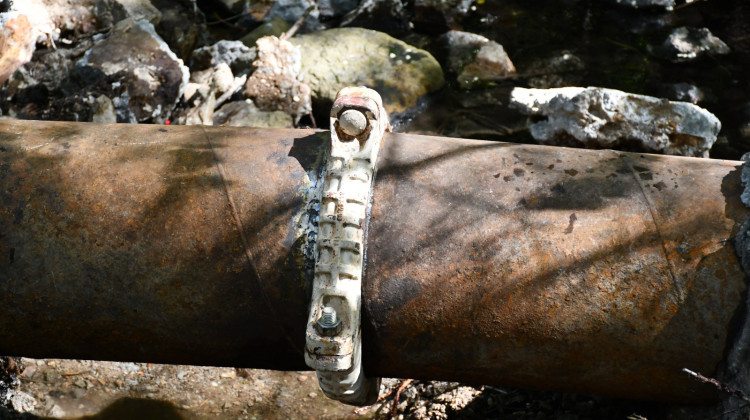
x=494 y=263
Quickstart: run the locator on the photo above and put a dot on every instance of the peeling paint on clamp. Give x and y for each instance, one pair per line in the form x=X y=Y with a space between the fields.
x=333 y=341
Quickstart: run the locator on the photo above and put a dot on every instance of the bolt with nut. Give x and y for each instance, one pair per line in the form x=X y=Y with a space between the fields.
x=352 y=122
x=328 y=324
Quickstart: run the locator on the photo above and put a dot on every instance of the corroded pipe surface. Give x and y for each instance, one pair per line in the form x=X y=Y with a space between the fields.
x=554 y=268
x=121 y=242
x=530 y=266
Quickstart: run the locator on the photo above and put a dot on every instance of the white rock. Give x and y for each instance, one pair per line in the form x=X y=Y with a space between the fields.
x=688 y=44
x=599 y=117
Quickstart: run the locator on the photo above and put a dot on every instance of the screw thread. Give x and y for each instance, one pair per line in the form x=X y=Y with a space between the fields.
x=328 y=317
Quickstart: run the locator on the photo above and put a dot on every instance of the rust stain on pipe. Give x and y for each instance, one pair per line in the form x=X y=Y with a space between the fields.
x=551 y=268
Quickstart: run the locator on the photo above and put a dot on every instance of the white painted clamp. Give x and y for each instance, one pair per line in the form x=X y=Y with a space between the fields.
x=333 y=339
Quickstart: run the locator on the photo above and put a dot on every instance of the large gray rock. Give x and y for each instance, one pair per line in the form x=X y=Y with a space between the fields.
x=688 y=44
x=153 y=76
x=598 y=117
x=475 y=59
x=342 y=57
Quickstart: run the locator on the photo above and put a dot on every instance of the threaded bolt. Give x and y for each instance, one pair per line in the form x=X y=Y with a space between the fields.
x=352 y=122
x=328 y=324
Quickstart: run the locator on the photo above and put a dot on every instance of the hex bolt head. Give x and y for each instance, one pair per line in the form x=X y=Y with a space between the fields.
x=328 y=324
x=352 y=122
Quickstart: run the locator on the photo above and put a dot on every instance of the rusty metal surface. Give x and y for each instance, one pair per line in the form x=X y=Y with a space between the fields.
x=551 y=268
x=529 y=266
x=120 y=242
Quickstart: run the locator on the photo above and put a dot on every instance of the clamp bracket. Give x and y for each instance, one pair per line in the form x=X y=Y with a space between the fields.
x=333 y=344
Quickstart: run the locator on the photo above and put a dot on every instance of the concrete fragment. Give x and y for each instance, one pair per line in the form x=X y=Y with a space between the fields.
x=608 y=118
x=342 y=57
x=153 y=75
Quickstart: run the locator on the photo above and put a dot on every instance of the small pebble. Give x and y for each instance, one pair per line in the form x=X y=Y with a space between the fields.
x=312 y=395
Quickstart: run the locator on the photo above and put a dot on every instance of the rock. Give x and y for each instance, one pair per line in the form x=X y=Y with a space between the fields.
x=647 y=4
x=561 y=69
x=104 y=111
x=333 y=9
x=683 y=92
x=19 y=401
x=274 y=27
x=475 y=59
x=182 y=26
x=237 y=55
x=342 y=57
x=49 y=18
x=276 y=84
x=207 y=90
x=17 y=43
x=689 y=44
x=152 y=75
x=291 y=10
x=607 y=118
x=28 y=22
x=246 y=114
x=110 y=12
x=52 y=376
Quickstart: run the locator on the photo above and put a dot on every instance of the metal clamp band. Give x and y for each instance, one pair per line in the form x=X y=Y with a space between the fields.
x=333 y=342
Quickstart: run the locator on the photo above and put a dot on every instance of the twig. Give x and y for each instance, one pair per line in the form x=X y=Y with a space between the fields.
x=236 y=85
x=298 y=24
x=70 y=373
x=394 y=409
x=728 y=389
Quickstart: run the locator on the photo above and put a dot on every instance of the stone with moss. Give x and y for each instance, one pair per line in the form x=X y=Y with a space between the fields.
x=342 y=57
